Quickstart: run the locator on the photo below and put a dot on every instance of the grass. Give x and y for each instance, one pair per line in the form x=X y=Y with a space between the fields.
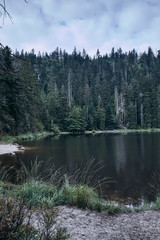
x=145 y=206
x=39 y=194
x=38 y=135
x=155 y=191
x=125 y=130
x=148 y=130
x=57 y=188
x=42 y=194
x=27 y=136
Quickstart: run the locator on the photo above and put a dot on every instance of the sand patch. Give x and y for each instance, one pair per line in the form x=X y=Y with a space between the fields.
x=10 y=148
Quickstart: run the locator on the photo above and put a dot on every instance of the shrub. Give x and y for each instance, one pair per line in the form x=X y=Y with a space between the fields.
x=81 y=196
x=12 y=226
x=46 y=220
x=15 y=222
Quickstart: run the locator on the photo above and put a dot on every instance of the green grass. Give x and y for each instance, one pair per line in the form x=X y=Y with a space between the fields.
x=38 y=135
x=57 y=188
x=38 y=193
x=125 y=130
x=27 y=136
x=148 y=130
x=145 y=206
x=41 y=194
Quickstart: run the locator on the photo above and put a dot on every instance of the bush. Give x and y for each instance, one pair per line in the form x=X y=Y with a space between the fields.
x=46 y=220
x=57 y=188
x=15 y=222
x=12 y=226
x=81 y=196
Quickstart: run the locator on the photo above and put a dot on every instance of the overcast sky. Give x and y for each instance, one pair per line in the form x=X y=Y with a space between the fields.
x=89 y=24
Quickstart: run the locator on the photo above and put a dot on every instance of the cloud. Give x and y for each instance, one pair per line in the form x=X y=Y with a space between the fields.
x=90 y=24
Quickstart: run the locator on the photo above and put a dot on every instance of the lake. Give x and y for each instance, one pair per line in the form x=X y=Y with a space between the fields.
x=130 y=160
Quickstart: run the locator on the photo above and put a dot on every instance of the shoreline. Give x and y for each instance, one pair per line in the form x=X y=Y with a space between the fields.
x=124 y=131
x=135 y=225
x=8 y=144
x=10 y=148
x=30 y=136
x=113 y=222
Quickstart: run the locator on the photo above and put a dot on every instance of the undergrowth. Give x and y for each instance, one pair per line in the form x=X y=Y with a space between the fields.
x=145 y=206
x=28 y=136
x=39 y=194
x=16 y=222
x=55 y=187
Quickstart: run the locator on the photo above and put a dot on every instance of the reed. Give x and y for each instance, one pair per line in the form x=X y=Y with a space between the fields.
x=56 y=187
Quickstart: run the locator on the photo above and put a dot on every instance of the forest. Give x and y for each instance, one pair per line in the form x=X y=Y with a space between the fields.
x=75 y=92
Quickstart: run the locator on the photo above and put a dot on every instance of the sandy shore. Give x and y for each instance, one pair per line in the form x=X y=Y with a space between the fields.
x=90 y=225
x=10 y=148
x=99 y=226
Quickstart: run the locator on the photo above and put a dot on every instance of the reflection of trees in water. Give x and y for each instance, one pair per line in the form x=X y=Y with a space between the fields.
x=136 y=158
x=130 y=163
x=120 y=153
x=141 y=147
x=142 y=151
x=74 y=149
x=129 y=159
x=77 y=152
x=69 y=157
x=10 y=168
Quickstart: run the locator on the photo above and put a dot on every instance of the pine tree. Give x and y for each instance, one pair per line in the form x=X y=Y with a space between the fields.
x=75 y=120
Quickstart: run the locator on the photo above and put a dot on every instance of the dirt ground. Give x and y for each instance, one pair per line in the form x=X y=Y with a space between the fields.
x=85 y=224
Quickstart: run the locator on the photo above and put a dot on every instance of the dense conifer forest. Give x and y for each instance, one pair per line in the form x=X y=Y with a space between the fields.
x=74 y=92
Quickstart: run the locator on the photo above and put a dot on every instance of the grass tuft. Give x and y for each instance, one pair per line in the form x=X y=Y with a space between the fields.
x=27 y=136
x=57 y=188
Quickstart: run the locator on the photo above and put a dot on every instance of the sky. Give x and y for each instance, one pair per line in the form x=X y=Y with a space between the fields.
x=84 y=24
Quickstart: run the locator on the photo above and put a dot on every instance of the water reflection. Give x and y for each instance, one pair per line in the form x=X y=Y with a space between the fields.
x=120 y=153
x=130 y=159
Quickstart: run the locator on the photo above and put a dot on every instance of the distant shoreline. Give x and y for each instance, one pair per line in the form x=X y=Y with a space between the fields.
x=7 y=145
x=125 y=130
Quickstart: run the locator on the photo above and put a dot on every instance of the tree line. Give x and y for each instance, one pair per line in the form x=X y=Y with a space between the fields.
x=76 y=92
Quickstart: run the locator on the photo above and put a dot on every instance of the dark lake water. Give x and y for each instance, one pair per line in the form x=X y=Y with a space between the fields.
x=130 y=160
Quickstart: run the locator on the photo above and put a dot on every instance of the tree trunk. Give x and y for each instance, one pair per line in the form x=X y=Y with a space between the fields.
x=69 y=88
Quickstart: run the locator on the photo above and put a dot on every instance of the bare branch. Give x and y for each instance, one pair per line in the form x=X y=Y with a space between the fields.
x=5 y=12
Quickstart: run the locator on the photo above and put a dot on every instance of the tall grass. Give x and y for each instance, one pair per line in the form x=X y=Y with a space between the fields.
x=87 y=174
x=155 y=185
x=5 y=173
x=27 y=136
x=154 y=192
x=43 y=172
x=56 y=187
